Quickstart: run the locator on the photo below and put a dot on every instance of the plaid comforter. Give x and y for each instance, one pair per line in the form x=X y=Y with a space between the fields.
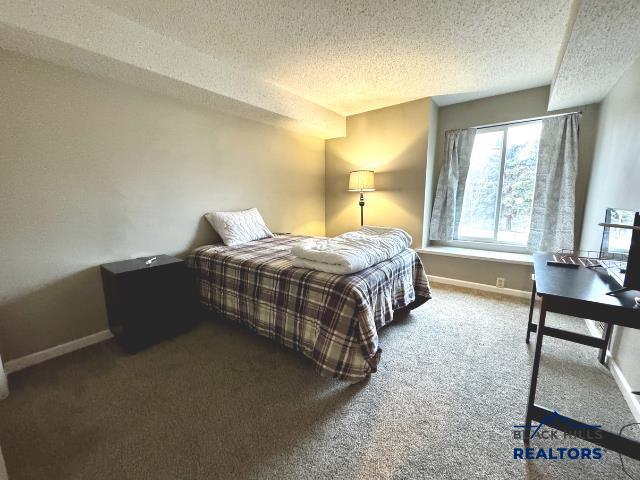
x=332 y=319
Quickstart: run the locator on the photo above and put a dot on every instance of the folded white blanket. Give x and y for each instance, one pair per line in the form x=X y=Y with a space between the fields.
x=351 y=251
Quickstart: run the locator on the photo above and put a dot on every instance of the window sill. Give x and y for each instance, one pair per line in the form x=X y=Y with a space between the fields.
x=488 y=255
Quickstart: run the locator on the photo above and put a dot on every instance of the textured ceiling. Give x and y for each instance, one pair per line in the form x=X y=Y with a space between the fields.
x=305 y=64
x=603 y=41
x=354 y=56
x=89 y=38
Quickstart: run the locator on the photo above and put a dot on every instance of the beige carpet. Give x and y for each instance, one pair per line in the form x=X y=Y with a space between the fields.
x=220 y=402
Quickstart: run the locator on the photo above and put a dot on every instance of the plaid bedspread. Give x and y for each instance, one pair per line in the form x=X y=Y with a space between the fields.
x=332 y=319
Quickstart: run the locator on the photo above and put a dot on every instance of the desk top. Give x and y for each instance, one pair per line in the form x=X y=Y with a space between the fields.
x=586 y=284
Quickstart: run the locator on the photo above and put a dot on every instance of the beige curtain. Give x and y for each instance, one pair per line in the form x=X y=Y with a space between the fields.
x=3 y=469
x=4 y=391
x=4 y=387
x=447 y=205
x=554 y=200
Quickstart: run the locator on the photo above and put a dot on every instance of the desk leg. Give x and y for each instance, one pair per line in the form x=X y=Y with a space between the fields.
x=606 y=338
x=533 y=302
x=534 y=372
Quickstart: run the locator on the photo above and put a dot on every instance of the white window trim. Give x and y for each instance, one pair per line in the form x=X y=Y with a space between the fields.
x=481 y=245
x=515 y=258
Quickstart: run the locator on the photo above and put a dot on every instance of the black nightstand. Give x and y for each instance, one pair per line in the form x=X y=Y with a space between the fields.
x=148 y=303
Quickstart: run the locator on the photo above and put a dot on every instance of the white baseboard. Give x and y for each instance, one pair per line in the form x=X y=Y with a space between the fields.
x=631 y=399
x=480 y=286
x=44 y=355
x=625 y=388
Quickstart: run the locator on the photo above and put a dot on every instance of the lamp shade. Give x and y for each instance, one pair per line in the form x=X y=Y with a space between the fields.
x=361 y=181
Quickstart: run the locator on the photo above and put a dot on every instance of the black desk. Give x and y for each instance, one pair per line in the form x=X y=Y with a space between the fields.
x=579 y=292
x=580 y=284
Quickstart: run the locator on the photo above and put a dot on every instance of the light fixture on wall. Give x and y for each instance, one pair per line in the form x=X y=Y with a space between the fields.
x=361 y=181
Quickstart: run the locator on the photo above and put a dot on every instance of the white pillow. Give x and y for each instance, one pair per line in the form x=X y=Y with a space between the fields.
x=239 y=227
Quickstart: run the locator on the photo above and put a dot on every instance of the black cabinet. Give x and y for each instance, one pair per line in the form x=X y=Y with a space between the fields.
x=147 y=303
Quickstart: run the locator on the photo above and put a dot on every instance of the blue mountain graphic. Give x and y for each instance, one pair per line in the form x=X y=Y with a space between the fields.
x=566 y=421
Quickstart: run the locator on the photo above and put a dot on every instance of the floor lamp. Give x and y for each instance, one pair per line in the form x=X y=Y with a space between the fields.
x=361 y=181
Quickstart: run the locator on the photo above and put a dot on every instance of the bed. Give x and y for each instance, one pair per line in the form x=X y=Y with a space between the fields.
x=331 y=319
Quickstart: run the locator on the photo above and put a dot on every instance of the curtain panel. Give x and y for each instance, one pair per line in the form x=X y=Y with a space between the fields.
x=554 y=200
x=447 y=205
x=4 y=387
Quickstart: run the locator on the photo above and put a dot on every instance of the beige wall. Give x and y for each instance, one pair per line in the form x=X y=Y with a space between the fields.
x=615 y=182
x=516 y=276
x=93 y=171
x=392 y=141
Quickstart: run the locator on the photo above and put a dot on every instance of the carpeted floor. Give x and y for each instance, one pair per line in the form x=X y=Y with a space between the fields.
x=220 y=402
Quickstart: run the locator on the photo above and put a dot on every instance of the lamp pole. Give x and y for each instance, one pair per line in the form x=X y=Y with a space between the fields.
x=361 y=203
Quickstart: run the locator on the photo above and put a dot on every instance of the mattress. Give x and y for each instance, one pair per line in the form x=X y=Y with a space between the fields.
x=330 y=318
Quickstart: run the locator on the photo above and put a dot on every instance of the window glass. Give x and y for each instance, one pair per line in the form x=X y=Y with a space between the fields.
x=500 y=185
x=618 y=239
x=478 y=215
x=518 y=182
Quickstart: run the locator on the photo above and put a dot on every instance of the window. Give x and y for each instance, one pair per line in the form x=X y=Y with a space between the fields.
x=498 y=193
x=617 y=240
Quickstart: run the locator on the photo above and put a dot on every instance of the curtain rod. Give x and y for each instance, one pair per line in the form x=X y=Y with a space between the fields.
x=524 y=121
